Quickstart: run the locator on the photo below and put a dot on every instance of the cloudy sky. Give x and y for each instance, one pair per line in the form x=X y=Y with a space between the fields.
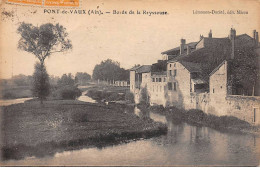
x=128 y=39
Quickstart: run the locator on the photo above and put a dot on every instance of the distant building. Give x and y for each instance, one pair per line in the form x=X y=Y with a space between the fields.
x=121 y=83
x=199 y=75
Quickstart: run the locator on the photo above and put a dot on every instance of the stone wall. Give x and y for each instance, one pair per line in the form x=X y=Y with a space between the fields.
x=181 y=96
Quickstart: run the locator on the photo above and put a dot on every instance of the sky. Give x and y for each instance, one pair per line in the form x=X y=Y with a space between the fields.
x=128 y=39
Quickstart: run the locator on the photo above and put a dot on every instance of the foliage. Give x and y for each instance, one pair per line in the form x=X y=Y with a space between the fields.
x=66 y=92
x=245 y=70
x=44 y=40
x=144 y=98
x=82 y=78
x=129 y=96
x=41 y=85
x=110 y=70
x=22 y=80
x=66 y=80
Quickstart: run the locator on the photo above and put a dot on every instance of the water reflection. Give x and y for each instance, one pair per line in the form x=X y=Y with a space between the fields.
x=85 y=98
x=184 y=145
x=13 y=101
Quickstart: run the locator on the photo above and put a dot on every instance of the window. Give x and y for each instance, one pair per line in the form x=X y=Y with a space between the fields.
x=169 y=86
x=170 y=72
x=160 y=79
x=213 y=90
x=175 y=72
x=170 y=65
x=153 y=79
x=174 y=86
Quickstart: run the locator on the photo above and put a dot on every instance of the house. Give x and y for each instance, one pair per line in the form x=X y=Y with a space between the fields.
x=120 y=83
x=140 y=76
x=203 y=75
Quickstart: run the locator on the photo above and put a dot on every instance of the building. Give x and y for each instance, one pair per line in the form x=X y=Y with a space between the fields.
x=203 y=75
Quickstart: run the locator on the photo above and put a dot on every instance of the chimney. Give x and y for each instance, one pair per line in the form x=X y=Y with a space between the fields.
x=210 y=34
x=188 y=50
x=256 y=39
x=232 y=37
x=182 y=46
x=201 y=37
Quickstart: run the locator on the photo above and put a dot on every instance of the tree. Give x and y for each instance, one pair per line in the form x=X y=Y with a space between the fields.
x=110 y=70
x=82 y=78
x=66 y=80
x=41 y=85
x=144 y=98
x=245 y=72
x=44 y=40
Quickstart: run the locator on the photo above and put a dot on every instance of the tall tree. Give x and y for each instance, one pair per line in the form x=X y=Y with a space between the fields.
x=41 y=85
x=44 y=40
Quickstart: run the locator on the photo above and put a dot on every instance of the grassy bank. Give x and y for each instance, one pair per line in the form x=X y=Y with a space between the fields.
x=199 y=118
x=107 y=93
x=30 y=129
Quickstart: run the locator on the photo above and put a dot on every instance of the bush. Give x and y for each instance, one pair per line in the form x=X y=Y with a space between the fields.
x=67 y=92
x=144 y=99
x=129 y=96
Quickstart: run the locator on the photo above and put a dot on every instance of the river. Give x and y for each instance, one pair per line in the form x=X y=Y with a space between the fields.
x=183 y=145
x=13 y=101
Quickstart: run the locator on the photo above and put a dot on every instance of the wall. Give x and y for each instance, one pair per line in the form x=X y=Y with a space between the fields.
x=180 y=97
x=200 y=44
x=132 y=81
x=157 y=91
x=218 y=90
x=243 y=107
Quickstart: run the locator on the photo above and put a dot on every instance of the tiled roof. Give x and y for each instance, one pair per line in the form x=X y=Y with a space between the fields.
x=134 y=68
x=191 y=67
x=172 y=51
x=144 y=69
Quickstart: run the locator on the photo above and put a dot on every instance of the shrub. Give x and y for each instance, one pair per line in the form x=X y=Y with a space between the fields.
x=129 y=96
x=67 y=92
x=144 y=99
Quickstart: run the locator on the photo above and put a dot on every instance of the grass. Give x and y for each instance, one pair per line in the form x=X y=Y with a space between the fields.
x=30 y=129
x=108 y=93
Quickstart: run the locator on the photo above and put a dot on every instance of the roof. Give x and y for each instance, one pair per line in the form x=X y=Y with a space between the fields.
x=144 y=69
x=198 y=81
x=172 y=51
x=134 y=68
x=191 y=67
x=217 y=68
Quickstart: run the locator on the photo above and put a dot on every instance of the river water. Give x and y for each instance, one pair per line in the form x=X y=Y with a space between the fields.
x=183 y=145
x=13 y=101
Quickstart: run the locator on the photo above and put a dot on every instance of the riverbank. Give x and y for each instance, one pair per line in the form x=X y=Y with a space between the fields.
x=199 y=118
x=30 y=129
x=107 y=93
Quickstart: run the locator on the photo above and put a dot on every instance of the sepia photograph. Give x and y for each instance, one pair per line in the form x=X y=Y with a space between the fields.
x=134 y=83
